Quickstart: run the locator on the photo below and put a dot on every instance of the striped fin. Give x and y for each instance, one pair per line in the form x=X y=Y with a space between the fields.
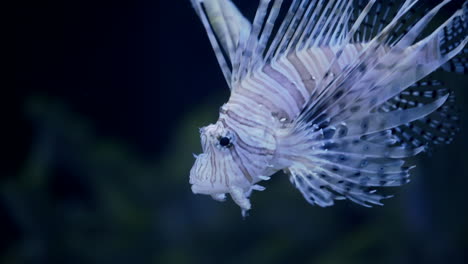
x=341 y=165
x=440 y=127
x=281 y=33
x=266 y=33
x=244 y=43
x=423 y=58
x=226 y=28
x=371 y=80
x=345 y=176
x=458 y=64
x=352 y=137
x=244 y=57
x=451 y=37
x=242 y=48
x=320 y=23
x=376 y=122
x=382 y=14
x=368 y=124
x=353 y=74
x=308 y=23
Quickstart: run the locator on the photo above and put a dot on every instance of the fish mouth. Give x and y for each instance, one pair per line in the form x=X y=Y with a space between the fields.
x=200 y=182
x=197 y=189
x=210 y=190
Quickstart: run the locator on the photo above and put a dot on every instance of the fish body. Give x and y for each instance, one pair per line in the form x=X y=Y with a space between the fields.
x=335 y=103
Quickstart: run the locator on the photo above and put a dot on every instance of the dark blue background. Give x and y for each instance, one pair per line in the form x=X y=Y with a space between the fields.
x=98 y=132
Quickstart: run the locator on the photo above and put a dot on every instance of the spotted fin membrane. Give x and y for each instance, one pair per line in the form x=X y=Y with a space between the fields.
x=452 y=36
x=440 y=127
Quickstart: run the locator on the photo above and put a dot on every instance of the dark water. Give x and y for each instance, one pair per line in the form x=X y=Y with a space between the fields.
x=98 y=138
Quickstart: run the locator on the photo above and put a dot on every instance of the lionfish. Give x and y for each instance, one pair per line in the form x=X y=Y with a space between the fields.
x=335 y=95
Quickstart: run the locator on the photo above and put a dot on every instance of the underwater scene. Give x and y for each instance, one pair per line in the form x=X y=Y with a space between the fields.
x=219 y=131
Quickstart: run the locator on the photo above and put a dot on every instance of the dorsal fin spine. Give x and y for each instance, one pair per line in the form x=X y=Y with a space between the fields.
x=338 y=35
x=306 y=33
x=378 y=8
x=328 y=15
x=302 y=24
x=197 y=4
x=227 y=30
x=351 y=32
x=266 y=33
x=281 y=32
x=252 y=41
x=288 y=35
x=316 y=25
x=445 y=57
x=335 y=24
x=408 y=39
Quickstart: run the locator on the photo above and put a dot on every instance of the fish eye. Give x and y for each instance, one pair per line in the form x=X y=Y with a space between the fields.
x=225 y=141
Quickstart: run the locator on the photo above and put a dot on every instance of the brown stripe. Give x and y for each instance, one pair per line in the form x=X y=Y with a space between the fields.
x=318 y=62
x=213 y=170
x=307 y=79
x=330 y=55
x=275 y=93
x=240 y=164
x=256 y=97
x=284 y=81
x=247 y=122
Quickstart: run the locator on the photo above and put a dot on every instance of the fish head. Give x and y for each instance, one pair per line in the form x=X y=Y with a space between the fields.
x=232 y=161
